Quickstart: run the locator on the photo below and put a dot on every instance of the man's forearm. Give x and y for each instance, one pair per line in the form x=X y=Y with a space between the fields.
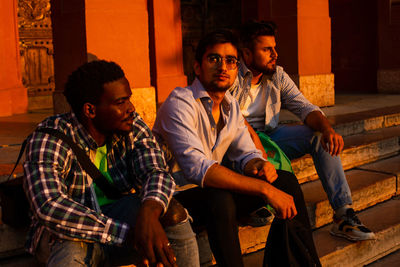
x=221 y=177
x=317 y=121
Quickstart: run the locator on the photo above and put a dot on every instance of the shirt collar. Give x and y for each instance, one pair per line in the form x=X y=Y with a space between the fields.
x=244 y=70
x=85 y=135
x=199 y=92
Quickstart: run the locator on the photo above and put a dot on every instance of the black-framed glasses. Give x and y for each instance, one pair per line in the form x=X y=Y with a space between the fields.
x=216 y=60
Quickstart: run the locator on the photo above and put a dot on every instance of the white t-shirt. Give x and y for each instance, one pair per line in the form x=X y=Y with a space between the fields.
x=255 y=105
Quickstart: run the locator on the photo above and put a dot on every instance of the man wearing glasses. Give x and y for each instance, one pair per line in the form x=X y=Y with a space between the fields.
x=203 y=128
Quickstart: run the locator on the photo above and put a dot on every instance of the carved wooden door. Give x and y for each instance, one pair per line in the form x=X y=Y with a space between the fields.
x=36 y=48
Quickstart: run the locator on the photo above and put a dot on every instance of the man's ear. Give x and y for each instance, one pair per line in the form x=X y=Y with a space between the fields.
x=196 y=68
x=246 y=54
x=89 y=110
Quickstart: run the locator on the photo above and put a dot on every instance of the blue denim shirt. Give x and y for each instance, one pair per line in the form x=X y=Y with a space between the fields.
x=281 y=91
x=185 y=123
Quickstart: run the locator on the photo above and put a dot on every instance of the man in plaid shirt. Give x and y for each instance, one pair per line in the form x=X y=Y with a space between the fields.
x=74 y=223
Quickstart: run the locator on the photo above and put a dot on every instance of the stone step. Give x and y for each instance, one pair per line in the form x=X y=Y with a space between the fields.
x=359 y=149
x=370 y=184
x=12 y=241
x=359 y=122
x=383 y=219
x=367 y=188
x=389 y=166
x=351 y=123
x=21 y=260
x=392 y=259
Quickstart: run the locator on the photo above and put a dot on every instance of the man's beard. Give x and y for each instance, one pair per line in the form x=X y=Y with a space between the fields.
x=216 y=88
x=269 y=71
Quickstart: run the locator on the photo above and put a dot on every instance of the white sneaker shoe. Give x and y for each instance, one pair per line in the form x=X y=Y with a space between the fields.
x=350 y=227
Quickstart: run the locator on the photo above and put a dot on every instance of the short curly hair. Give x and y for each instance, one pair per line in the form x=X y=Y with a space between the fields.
x=85 y=84
x=253 y=29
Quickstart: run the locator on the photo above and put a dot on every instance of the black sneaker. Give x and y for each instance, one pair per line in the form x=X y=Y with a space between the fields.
x=258 y=218
x=350 y=227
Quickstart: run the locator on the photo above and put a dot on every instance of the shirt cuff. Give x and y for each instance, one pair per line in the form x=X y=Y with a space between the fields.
x=309 y=110
x=250 y=157
x=163 y=202
x=115 y=232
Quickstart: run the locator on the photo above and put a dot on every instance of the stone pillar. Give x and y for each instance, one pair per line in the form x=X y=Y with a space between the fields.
x=166 y=43
x=13 y=95
x=110 y=30
x=388 y=46
x=303 y=43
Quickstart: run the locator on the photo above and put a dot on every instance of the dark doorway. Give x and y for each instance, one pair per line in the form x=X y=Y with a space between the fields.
x=354 y=45
x=202 y=16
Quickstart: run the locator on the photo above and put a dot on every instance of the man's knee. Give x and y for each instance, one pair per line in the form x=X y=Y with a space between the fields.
x=288 y=183
x=175 y=214
x=221 y=202
x=75 y=253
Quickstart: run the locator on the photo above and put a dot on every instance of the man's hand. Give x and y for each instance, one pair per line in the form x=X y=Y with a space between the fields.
x=150 y=238
x=332 y=142
x=261 y=169
x=282 y=203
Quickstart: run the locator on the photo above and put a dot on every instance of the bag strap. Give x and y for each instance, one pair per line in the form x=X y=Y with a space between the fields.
x=108 y=189
x=21 y=152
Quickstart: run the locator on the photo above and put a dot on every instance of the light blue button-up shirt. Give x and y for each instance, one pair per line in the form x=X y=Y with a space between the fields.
x=185 y=123
x=281 y=92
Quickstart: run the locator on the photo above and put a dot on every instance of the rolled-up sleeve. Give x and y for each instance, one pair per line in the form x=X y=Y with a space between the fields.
x=150 y=166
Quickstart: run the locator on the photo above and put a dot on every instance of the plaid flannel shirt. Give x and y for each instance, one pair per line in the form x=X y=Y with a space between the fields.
x=58 y=187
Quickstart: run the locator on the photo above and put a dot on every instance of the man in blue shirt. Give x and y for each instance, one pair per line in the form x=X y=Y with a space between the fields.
x=202 y=126
x=261 y=89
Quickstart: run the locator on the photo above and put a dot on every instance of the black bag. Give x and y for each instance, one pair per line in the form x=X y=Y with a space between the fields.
x=14 y=205
x=13 y=201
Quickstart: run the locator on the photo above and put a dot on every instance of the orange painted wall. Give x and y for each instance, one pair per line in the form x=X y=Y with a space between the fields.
x=13 y=96
x=118 y=31
x=166 y=54
x=314 y=37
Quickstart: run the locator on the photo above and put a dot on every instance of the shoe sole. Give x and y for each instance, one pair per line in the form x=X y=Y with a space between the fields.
x=351 y=238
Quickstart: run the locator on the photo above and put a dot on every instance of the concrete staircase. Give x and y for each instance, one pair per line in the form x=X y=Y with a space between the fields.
x=371 y=159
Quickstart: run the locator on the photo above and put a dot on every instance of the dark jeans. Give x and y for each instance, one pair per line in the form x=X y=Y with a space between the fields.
x=219 y=211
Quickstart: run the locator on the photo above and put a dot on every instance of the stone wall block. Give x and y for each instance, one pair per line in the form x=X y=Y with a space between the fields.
x=144 y=100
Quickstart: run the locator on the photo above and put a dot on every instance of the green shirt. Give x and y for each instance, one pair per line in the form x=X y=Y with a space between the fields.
x=100 y=162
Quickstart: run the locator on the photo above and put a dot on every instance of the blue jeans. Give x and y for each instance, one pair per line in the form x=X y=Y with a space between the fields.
x=75 y=253
x=297 y=141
